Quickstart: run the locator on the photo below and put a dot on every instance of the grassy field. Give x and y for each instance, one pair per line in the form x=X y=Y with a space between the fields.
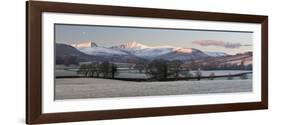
x=83 y=88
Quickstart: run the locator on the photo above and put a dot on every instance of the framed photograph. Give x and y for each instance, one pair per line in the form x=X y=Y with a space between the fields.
x=94 y=62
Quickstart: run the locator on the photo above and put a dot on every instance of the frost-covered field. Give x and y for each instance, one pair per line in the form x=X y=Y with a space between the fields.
x=82 y=88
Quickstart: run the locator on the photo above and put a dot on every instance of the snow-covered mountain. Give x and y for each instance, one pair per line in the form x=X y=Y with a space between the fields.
x=184 y=54
x=84 y=44
x=102 y=51
x=136 y=51
x=131 y=45
x=163 y=52
x=215 y=54
x=146 y=53
x=106 y=53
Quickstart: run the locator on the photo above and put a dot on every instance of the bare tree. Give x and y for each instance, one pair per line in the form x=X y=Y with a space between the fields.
x=158 y=69
x=140 y=67
x=175 y=67
x=187 y=74
x=84 y=70
x=95 y=69
x=88 y=70
x=198 y=74
x=113 y=70
x=242 y=65
x=105 y=68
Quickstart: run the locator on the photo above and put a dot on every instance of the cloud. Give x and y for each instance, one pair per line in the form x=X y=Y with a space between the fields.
x=219 y=43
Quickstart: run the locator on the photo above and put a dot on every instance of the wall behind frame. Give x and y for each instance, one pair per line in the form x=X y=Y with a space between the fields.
x=12 y=62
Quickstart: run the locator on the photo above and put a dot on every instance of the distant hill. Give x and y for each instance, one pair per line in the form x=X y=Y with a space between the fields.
x=246 y=58
x=64 y=51
x=243 y=60
x=95 y=54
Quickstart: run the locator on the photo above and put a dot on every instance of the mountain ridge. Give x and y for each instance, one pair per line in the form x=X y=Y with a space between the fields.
x=147 y=52
x=136 y=52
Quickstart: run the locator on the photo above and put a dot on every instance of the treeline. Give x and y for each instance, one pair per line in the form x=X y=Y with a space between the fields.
x=104 y=69
x=229 y=67
x=156 y=70
x=162 y=69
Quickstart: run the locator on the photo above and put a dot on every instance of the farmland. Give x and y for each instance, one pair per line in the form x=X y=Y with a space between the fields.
x=83 y=88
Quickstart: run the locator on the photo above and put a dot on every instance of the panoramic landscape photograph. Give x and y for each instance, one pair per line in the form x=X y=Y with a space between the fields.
x=94 y=61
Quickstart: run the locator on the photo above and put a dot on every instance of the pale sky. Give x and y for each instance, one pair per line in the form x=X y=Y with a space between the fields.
x=107 y=36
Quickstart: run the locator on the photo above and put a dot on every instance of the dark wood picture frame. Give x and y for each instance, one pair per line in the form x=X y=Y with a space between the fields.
x=34 y=12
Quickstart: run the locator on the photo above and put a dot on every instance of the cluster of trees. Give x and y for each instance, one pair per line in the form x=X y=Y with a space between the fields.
x=104 y=69
x=162 y=69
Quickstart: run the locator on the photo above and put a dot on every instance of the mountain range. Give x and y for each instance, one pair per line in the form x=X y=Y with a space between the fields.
x=133 y=52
